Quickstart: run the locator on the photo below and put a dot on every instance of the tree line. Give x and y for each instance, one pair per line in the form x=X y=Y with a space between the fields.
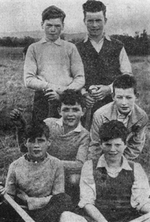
x=137 y=45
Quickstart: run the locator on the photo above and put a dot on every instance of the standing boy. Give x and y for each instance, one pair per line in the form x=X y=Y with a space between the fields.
x=36 y=180
x=104 y=58
x=52 y=65
x=124 y=109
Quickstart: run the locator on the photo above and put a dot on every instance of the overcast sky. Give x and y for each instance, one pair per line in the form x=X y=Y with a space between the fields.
x=124 y=16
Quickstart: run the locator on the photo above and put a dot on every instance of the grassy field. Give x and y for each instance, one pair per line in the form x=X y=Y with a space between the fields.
x=13 y=94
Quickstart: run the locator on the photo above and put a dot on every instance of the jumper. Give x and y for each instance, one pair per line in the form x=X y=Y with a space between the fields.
x=72 y=146
x=38 y=180
x=55 y=63
x=101 y=68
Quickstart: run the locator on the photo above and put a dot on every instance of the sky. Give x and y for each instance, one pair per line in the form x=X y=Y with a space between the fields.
x=124 y=16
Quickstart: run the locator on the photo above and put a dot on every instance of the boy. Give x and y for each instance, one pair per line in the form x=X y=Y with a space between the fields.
x=36 y=180
x=52 y=65
x=117 y=190
x=69 y=140
x=124 y=109
x=104 y=58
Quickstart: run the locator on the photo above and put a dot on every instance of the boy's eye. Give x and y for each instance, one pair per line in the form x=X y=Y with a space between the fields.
x=75 y=109
x=31 y=140
x=65 y=110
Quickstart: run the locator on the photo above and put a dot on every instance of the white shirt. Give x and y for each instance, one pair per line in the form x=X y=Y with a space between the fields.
x=140 y=188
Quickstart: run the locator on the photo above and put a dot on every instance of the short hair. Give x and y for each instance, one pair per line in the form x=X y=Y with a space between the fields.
x=37 y=130
x=94 y=6
x=71 y=97
x=125 y=82
x=53 y=12
x=112 y=130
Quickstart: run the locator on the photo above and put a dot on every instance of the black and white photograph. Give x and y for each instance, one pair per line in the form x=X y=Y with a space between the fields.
x=74 y=111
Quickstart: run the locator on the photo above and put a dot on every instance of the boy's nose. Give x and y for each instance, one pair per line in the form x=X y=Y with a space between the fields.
x=124 y=101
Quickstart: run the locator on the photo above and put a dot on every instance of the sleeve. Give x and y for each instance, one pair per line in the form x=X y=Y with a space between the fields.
x=136 y=140
x=83 y=148
x=77 y=70
x=94 y=147
x=10 y=186
x=58 y=185
x=87 y=185
x=140 y=190
x=125 y=65
x=31 y=79
x=75 y=166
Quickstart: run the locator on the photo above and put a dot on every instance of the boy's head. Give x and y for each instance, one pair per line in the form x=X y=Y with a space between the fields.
x=94 y=6
x=53 y=22
x=37 y=140
x=95 y=18
x=113 y=137
x=72 y=107
x=124 y=93
x=53 y=12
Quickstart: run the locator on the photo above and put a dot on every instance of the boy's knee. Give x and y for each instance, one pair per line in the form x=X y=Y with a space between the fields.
x=69 y=216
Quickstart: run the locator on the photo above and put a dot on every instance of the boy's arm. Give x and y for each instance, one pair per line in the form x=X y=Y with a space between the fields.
x=136 y=140
x=140 y=198
x=94 y=147
x=94 y=213
x=20 y=123
x=77 y=70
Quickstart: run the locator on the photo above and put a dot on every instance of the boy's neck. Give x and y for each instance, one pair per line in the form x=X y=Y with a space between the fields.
x=68 y=129
x=114 y=164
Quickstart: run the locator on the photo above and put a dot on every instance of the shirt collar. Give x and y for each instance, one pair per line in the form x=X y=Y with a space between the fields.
x=77 y=129
x=102 y=163
x=120 y=115
x=105 y=36
x=57 y=42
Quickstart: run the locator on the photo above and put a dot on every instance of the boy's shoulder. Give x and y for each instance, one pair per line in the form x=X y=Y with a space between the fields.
x=55 y=162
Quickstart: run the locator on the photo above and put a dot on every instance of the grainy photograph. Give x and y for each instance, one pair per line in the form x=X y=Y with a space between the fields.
x=74 y=111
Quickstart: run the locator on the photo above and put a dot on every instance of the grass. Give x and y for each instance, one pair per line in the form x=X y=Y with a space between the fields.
x=13 y=94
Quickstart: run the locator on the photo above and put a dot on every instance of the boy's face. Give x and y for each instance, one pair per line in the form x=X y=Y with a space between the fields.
x=71 y=114
x=95 y=23
x=124 y=99
x=113 y=150
x=37 y=147
x=52 y=28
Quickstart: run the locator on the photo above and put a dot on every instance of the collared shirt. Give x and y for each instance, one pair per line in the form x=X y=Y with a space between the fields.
x=56 y=65
x=123 y=118
x=125 y=65
x=140 y=188
x=77 y=129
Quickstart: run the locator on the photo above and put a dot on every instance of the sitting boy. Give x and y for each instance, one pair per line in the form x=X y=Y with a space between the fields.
x=123 y=109
x=36 y=180
x=69 y=140
x=118 y=190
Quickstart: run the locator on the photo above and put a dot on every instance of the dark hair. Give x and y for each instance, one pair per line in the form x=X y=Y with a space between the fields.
x=112 y=130
x=37 y=130
x=71 y=97
x=53 y=12
x=125 y=82
x=94 y=6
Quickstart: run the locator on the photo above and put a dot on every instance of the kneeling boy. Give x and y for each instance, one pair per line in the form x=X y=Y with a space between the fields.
x=36 y=179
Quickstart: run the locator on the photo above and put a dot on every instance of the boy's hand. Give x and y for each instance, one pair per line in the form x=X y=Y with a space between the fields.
x=52 y=95
x=89 y=101
x=101 y=92
x=17 y=118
